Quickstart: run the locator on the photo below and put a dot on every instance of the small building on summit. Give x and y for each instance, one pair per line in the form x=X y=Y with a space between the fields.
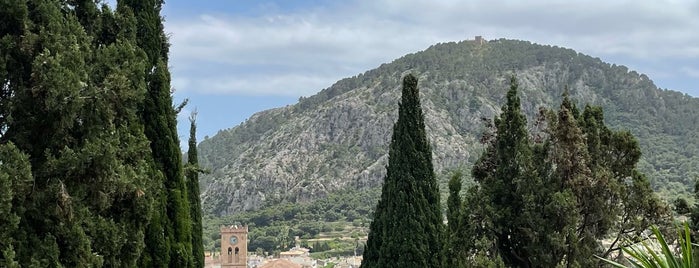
x=234 y=246
x=480 y=40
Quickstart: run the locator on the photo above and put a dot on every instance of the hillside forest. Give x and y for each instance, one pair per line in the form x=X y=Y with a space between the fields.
x=314 y=170
x=337 y=140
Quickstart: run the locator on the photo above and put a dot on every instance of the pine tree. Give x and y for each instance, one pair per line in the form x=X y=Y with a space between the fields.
x=529 y=208
x=477 y=243
x=407 y=230
x=13 y=62
x=112 y=115
x=193 y=193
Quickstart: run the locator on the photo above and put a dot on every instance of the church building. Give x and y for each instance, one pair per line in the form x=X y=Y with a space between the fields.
x=234 y=246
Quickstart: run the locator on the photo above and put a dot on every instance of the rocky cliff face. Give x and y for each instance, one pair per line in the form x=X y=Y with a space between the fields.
x=339 y=137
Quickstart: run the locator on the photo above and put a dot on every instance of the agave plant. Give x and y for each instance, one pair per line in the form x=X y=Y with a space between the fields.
x=645 y=256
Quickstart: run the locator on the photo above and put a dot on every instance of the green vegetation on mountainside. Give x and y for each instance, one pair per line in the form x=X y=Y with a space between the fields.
x=272 y=229
x=338 y=138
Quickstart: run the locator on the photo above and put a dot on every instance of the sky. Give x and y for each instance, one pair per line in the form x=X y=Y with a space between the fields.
x=232 y=59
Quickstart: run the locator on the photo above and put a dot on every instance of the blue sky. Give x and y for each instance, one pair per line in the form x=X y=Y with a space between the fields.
x=235 y=58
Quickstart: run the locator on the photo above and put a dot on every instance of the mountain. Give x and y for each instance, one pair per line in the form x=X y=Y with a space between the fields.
x=338 y=138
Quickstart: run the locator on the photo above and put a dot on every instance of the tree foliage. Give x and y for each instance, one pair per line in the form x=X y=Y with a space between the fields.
x=193 y=194
x=160 y=126
x=407 y=230
x=454 y=208
x=551 y=197
x=78 y=178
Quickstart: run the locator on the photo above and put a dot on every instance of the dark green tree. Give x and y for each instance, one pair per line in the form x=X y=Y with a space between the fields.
x=502 y=171
x=88 y=15
x=550 y=202
x=619 y=201
x=454 y=208
x=45 y=82
x=454 y=202
x=694 y=214
x=476 y=246
x=407 y=230
x=159 y=117
x=681 y=206
x=15 y=185
x=74 y=81
x=479 y=248
x=193 y=193
x=563 y=167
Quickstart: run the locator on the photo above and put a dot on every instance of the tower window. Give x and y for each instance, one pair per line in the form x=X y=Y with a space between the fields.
x=237 y=257
x=230 y=255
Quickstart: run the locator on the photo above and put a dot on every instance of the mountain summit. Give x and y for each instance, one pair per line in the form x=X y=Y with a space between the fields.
x=339 y=137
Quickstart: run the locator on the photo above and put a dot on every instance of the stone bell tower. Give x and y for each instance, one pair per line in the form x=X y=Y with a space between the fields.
x=234 y=246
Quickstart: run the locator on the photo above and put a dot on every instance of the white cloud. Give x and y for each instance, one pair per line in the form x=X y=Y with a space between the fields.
x=691 y=71
x=298 y=53
x=258 y=85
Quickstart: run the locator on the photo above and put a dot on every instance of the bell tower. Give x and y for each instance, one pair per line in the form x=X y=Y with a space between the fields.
x=234 y=246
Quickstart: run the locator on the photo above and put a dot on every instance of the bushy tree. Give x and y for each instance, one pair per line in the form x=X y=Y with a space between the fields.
x=15 y=184
x=79 y=181
x=619 y=200
x=503 y=170
x=552 y=199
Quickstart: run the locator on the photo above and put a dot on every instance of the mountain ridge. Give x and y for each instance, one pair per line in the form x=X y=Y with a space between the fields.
x=338 y=138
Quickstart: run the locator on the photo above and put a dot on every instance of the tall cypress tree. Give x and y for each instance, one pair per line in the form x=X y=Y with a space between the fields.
x=193 y=193
x=159 y=117
x=454 y=208
x=454 y=203
x=407 y=230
